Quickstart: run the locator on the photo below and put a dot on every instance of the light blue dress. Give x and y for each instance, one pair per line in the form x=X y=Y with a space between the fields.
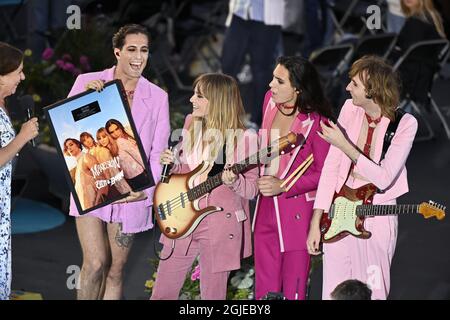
x=6 y=135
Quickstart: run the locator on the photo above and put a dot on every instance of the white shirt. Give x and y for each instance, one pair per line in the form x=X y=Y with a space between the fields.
x=273 y=11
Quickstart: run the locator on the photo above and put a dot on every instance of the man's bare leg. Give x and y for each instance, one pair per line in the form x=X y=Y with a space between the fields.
x=120 y=244
x=91 y=232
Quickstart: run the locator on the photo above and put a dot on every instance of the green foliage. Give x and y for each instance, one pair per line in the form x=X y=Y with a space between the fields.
x=240 y=284
x=176 y=120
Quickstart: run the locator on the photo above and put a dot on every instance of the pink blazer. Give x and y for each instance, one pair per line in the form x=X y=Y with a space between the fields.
x=294 y=208
x=150 y=112
x=230 y=229
x=389 y=174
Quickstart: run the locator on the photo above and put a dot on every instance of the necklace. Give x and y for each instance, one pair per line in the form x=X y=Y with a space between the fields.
x=373 y=122
x=130 y=94
x=280 y=105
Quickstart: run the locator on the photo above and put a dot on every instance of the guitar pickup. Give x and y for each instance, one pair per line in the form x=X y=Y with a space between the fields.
x=161 y=214
x=182 y=199
x=169 y=209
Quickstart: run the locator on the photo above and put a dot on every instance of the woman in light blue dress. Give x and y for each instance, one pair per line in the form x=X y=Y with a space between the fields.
x=11 y=74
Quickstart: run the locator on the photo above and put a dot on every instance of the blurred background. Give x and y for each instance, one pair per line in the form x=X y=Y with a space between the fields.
x=191 y=37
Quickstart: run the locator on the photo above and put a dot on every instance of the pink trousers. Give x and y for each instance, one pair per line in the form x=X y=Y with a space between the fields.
x=366 y=260
x=172 y=272
x=277 y=271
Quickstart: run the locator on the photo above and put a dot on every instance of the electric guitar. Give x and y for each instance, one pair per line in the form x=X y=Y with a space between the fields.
x=351 y=206
x=176 y=202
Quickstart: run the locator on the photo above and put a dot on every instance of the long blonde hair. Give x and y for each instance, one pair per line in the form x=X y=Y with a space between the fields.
x=225 y=107
x=112 y=144
x=424 y=9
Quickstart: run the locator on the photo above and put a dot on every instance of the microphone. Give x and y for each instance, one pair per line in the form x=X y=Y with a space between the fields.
x=26 y=102
x=166 y=168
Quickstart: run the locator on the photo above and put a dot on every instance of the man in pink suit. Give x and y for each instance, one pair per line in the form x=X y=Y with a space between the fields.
x=294 y=103
x=354 y=160
x=106 y=246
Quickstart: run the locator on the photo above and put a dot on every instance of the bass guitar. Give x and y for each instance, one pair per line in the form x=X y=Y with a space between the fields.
x=176 y=201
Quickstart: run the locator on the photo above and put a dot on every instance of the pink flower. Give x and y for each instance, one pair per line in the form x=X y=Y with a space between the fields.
x=60 y=63
x=84 y=62
x=67 y=57
x=196 y=273
x=69 y=67
x=47 y=54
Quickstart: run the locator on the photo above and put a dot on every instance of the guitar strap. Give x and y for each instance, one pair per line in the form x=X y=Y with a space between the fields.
x=391 y=130
x=219 y=163
x=389 y=135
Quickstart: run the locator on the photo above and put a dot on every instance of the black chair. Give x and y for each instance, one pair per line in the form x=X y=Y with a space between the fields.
x=197 y=33
x=332 y=63
x=332 y=60
x=419 y=67
x=378 y=44
x=352 y=13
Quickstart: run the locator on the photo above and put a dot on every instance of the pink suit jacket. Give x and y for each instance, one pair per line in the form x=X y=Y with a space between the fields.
x=389 y=175
x=294 y=208
x=150 y=112
x=229 y=230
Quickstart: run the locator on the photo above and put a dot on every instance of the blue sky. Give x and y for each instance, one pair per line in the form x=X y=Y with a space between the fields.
x=110 y=106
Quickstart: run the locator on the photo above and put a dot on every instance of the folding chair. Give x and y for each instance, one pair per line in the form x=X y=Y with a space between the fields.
x=198 y=31
x=438 y=52
x=352 y=11
x=379 y=44
x=332 y=62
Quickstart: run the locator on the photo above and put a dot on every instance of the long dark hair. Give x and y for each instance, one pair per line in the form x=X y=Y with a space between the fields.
x=120 y=126
x=305 y=78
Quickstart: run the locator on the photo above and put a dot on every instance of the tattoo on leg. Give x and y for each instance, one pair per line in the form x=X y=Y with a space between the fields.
x=123 y=240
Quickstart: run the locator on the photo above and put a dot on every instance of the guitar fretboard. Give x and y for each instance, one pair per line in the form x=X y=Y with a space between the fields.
x=384 y=210
x=213 y=182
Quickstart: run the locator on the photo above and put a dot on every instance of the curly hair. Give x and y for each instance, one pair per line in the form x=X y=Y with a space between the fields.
x=77 y=142
x=118 y=40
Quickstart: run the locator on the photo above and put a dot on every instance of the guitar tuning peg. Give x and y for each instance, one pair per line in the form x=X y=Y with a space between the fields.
x=292 y=146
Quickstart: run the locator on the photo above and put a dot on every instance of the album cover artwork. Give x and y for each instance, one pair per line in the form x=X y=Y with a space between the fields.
x=98 y=142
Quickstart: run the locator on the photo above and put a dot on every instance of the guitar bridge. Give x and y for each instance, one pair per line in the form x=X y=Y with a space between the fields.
x=161 y=214
x=331 y=213
x=169 y=209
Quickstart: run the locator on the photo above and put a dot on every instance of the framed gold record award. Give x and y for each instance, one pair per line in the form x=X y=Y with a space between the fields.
x=96 y=138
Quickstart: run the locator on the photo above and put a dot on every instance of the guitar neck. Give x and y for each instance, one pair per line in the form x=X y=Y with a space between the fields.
x=213 y=182
x=384 y=210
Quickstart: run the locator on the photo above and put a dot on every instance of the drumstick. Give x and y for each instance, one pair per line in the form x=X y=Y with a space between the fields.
x=296 y=170
x=299 y=175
